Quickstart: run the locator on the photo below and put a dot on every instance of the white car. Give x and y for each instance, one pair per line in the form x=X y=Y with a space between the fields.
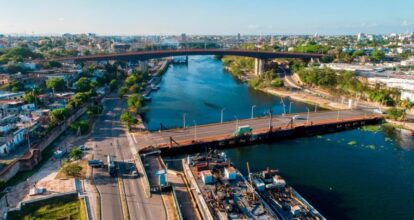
x=299 y=117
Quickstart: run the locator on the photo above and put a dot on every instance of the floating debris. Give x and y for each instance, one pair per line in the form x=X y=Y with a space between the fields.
x=372 y=128
x=352 y=143
x=372 y=147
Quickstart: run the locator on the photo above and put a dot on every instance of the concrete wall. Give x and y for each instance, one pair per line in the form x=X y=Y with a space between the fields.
x=10 y=171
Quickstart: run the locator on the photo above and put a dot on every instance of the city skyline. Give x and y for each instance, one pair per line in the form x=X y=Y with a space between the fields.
x=207 y=18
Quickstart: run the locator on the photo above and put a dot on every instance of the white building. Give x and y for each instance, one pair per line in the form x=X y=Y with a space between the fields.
x=405 y=84
x=409 y=62
x=10 y=142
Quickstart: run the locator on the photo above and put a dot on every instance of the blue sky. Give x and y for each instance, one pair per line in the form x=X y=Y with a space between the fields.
x=129 y=17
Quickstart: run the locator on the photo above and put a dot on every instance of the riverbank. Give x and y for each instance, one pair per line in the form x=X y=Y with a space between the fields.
x=311 y=99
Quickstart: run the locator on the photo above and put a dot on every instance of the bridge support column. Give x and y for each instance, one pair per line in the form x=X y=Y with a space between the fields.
x=258 y=67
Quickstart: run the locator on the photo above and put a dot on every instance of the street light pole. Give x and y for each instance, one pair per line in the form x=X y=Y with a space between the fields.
x=284 y=107
x=270 y=119
x=290 y=107
x=316 y=107
x=184 y=120
x=195 y=130
x=307 y=118
x=253 y=106
x=221 y=115
x=337 y=117
x=237 y=121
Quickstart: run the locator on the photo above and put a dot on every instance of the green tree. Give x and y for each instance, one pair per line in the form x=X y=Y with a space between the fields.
x=57 y=116
x=83 y=84
x=122 y=91
x=56 y=84
x=54 y=64
x=31 y=97
x=377 y=55
x=135 y=102
x=81 y=126
x=72 y=170
x=128 y=119
x=277 y=82
x=358 y=53
x=396 y=114
x=75 y=153
x=113 y=85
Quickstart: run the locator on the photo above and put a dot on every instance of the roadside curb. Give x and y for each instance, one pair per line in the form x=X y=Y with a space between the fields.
x=123 y=198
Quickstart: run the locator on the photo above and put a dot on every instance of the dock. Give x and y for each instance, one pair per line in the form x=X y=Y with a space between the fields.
x=221 y=135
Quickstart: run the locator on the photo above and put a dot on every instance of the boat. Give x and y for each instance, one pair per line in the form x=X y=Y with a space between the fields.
x=147 y=98
x=282 y=198
x=155 y=87
x=221 y=190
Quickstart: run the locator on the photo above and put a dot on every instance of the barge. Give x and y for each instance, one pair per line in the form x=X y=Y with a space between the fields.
x=282 y=198
x=221 y=190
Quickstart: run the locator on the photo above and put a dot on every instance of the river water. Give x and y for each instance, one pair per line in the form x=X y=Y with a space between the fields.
x=354 y=174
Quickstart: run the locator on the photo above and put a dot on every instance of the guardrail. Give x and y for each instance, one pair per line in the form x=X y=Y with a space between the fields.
x=177 y=206
x=147 y=187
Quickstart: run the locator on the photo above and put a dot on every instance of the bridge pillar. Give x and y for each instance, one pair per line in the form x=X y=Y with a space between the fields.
x=258 y=67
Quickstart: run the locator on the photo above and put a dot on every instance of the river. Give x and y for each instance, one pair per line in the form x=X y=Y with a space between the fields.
x=355 y=174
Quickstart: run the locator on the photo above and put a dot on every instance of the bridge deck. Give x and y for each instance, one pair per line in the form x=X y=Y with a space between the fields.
x=214 y=132
x=145 y=55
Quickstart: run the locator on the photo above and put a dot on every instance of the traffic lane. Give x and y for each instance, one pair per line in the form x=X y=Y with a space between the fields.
x=229 y=127
x=111 y=207
x=259 y=122
x=139 y=207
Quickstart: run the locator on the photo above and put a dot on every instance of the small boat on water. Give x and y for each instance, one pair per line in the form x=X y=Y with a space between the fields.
x=147 y=98
x=155 y=87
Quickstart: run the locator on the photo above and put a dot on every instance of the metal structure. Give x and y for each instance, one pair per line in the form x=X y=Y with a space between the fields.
x=145 y=55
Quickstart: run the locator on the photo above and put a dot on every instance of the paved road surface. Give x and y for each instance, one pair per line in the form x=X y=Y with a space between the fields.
x=110 y=139
x=212 y=130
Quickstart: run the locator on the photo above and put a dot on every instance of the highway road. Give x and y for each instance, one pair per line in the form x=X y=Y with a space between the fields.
x=110 y=138
x=227 y=128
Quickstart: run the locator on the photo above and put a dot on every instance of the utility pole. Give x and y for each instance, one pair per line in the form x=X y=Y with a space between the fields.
x=316 y=107
x=307 y=118
x=195 y=131
x=337 y=117
x=290 y=107
x=184 y=120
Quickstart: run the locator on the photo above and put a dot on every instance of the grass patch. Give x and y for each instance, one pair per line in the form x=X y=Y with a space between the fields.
x=62 y=175
x=64 y=208
x=372 y=128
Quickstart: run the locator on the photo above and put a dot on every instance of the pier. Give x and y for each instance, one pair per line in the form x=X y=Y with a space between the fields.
x=221 y=135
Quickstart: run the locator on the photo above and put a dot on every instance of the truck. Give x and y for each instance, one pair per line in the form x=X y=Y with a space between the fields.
x=111 y=166
x=95 y=163
x=243 y=130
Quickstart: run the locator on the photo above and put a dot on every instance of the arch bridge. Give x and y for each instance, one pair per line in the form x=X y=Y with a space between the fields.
x=259 y=56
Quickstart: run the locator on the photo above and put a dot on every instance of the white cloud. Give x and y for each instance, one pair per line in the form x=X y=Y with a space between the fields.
x=61 y=19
